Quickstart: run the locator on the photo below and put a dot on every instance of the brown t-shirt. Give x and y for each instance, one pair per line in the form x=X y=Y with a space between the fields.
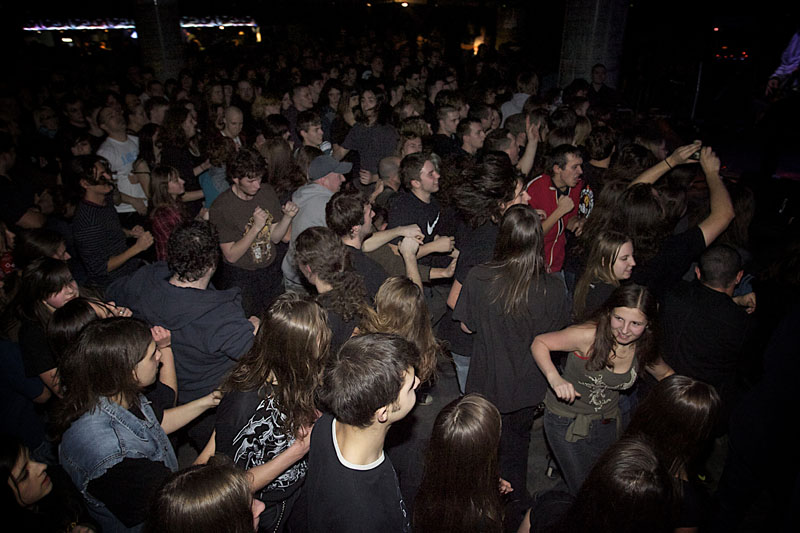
x=233 y=217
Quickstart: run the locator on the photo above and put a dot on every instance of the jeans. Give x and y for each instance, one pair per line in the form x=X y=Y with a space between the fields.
x=462 y=370
x=576 y=459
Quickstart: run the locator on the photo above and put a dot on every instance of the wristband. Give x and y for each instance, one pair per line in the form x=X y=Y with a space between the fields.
x=667 y=162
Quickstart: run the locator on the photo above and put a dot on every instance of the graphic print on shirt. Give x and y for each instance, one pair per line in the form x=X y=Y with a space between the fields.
x=261 y=249
x=597 y=389
x=261 y=440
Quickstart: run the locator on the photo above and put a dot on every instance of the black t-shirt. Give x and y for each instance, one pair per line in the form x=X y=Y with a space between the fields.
x=670 y=263
x=36 y=353
x=248 y=431
x=127 y=487
x=704 y=335
x=502 y=368
x=406 y=209
x=476 y=246
x=343 y=497
x=373 y=273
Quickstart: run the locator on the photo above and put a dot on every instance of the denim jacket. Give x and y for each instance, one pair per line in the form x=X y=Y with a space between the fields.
x=102 y=438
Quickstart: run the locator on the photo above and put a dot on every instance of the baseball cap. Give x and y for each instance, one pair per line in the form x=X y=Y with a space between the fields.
x=322 y=165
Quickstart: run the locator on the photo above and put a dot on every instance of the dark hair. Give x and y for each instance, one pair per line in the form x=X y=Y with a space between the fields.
x=203 y=499
x=459 y=487
x=497 y=140
x=160 y=176
x=463 y=128
x=291 y=346
x=600 y=143
x=344 y=210
x=678 y=416
x=246 y=164
x=484 y=190
x=367 y=374
x=411 y=167
x=719 y=265
x=84 y=167
x=306 y=119
x=560 y=154
x=275 y=126
x=67 y=322
x=101 y=363
x=639 y=213
x=31 y=244
x=147 y=145
x=321 y=250
x=563 y=117
x=282 y=171
x=154 y=101
x=632 y=296
x=518 y=259
x=627 y=491
x=11 y=449
x=631 y=160
x=172 y=133
x=515 y=124
x=192 y=249
x=41 y=279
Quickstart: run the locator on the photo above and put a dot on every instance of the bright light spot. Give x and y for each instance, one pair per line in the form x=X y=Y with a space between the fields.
x=716 y=29
x=66 y=40
x=134 y=35
x=404 y=4
x=241 y=33
x=369 y=5
x=258 y=36
x=222 y=27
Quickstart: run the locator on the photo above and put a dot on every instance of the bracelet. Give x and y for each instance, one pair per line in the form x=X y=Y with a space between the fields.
x=667 y=162
x=167 y=346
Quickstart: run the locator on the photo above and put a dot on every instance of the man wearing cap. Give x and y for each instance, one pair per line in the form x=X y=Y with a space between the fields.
x=325 y=177
x=250 y=222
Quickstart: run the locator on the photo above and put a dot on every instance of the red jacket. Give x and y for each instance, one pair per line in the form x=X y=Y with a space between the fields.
x=545 y=197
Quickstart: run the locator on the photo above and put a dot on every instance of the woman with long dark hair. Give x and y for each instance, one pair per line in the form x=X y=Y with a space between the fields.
x=264 y=421
x=37 y=498
x=678 y=417
x=205 y=499
x=46 y=285
x=371 y=136
x=459 y=490
x=181 y=149
x=506 y=303
x=111 y=436
x=605 y=356
x=166 y=209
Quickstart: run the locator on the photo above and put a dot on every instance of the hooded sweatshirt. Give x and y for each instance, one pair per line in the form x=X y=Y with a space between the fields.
x=311 y=199
x=209 y=329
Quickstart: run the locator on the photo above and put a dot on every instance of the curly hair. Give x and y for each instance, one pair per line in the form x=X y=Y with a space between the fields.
x=291 y=348
x=484 y=189
x=171 y=133
x=400 y=308
x=192 y=249
x=321 y=251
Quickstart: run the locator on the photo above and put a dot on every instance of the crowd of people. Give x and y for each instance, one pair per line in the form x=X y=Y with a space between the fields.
x=277 y=262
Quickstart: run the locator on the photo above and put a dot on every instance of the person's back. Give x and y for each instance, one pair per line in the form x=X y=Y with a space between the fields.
x=705 y=331
x=351 y=484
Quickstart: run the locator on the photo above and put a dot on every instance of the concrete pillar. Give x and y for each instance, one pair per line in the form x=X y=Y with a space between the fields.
x=593 y=33
x=160 y=36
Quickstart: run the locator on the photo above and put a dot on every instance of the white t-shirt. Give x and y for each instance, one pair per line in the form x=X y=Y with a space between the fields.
x=121 y=156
